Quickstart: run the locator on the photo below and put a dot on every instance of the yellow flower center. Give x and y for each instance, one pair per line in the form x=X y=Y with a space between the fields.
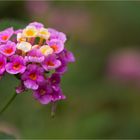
x=29 y=32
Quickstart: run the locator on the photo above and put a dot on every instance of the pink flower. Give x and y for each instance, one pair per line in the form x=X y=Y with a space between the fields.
x=66 y=56
x=35 y=56
x=51 y=62
x=57 y=35
x=2 y=64
x=33 y=76
x=47 y=93
x=37 y=25
x=6 y=34
x=56 y=45
x=8 y=49
x=125 y=65
x=16 y=65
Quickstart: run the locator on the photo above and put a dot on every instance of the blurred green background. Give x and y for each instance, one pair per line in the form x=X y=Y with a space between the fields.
x=102 y=86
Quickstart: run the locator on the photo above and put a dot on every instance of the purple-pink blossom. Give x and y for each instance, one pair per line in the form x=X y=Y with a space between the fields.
x=51 y=62
x=47 y=93
x=35 y=56
x=8 y=49
x=57 y=35
x=56 y=45
x=33 y=76
x=6 y=34
x=16 y=65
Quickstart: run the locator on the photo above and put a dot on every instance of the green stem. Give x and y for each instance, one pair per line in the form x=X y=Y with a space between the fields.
x=8 y=103
x=53 y=109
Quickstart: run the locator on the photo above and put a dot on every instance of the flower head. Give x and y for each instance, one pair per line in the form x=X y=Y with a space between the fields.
x=38 y=58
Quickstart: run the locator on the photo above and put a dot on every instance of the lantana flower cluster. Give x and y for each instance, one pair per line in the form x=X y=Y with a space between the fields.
x=37 y=57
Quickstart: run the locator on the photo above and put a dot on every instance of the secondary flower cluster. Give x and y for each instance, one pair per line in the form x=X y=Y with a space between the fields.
x=37 y=57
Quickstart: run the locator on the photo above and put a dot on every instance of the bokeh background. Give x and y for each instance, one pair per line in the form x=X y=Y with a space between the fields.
x=102 y=86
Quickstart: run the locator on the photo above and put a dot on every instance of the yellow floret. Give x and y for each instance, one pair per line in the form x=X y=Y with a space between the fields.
x=20 y=37
x=43 y=33
x=30 y=31
x=46 y=50
x=24 y=46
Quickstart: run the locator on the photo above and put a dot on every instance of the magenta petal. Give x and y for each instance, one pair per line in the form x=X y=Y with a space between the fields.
x=62 y=69
x=34 y=56
x=37 y=25
x=57 y=35
x=18 y=31
x=45 y=99
x=2 y=64
x=70 y=57
x=30 y=84
x=51 y=62
x=9 y=69
x=20 y=88
x=36 y=95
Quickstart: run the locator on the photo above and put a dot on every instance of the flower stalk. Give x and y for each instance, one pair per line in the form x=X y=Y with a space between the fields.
x=8 y=103
x=53 y=109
